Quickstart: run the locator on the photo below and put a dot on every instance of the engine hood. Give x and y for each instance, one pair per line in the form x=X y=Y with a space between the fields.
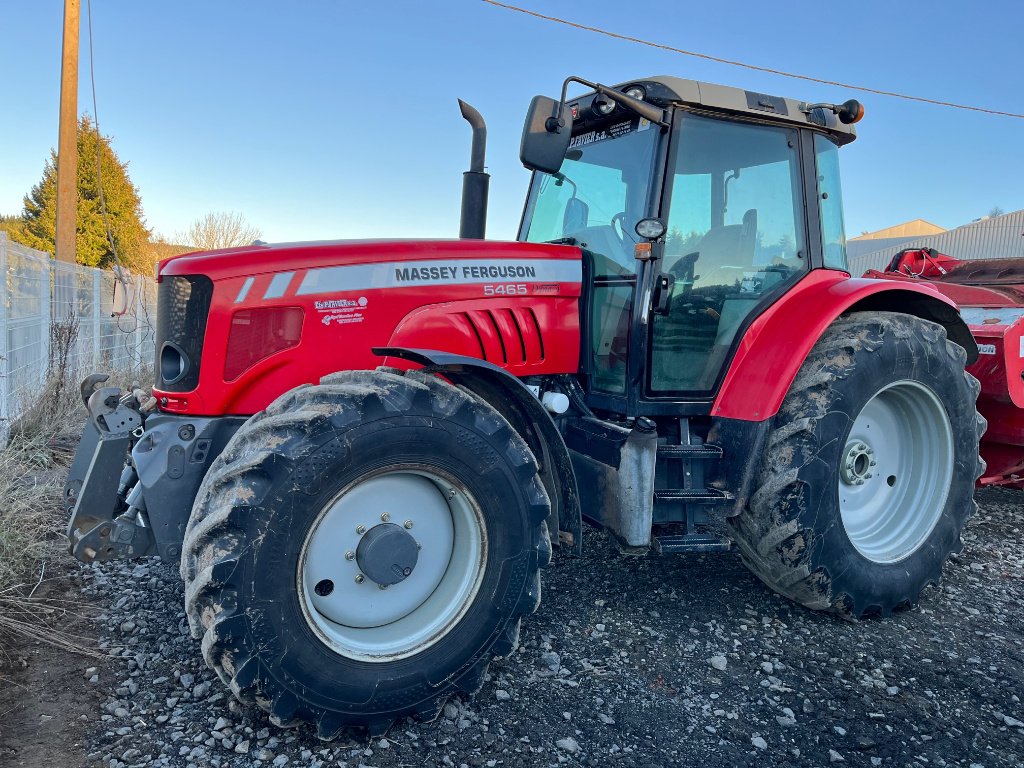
x=277 y=257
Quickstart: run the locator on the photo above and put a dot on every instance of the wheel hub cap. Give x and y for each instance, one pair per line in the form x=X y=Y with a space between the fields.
x=387 y=554
x=857 y=463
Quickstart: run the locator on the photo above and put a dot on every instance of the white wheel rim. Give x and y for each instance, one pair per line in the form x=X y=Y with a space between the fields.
x=895 y=471
x=350 y=611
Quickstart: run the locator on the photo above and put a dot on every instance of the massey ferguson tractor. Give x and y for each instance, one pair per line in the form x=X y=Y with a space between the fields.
x=362 y=452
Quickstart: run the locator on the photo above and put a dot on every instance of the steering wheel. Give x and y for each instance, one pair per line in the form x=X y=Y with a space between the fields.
x=620 y=219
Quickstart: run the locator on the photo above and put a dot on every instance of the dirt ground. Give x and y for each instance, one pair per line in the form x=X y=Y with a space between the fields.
x=629 y=661
x=46 y=705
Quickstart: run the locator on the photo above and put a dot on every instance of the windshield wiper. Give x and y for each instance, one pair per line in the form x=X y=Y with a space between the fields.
x=562 y=241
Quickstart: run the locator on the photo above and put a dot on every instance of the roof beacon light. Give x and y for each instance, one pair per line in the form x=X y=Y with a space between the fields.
x=848 y=112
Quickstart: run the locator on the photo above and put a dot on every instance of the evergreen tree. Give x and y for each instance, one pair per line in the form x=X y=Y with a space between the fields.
x=124 y=207
x=14 y=226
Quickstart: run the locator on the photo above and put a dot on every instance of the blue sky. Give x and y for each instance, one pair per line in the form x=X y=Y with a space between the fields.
x=331 y=119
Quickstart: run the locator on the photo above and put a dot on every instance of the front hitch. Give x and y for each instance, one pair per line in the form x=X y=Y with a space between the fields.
x=108 y=518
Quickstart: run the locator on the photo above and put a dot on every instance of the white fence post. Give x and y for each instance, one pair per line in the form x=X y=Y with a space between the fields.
x=48 y=282
x=97 y=313
x=5 y=367
x=140 y=313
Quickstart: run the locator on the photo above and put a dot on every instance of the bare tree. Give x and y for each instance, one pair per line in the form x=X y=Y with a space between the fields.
x=219 y=230
x=996 y=211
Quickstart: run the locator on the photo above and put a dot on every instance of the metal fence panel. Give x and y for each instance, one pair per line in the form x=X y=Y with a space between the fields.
x=40 y=299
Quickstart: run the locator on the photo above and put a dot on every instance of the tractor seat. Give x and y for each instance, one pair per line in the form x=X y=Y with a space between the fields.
x=726 y=252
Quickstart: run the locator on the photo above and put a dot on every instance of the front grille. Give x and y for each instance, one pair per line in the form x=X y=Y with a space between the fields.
x=182 y=308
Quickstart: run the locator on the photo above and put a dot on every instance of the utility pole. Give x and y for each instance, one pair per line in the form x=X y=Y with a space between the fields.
x=67 y=140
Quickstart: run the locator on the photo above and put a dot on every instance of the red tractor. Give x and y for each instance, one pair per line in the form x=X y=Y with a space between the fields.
x=363 y=452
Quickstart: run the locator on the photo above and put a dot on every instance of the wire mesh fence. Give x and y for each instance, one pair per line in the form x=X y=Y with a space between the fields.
x=56 y=314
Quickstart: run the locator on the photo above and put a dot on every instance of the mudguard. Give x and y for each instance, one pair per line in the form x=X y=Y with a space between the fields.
x=510 y=397
x=778 y=341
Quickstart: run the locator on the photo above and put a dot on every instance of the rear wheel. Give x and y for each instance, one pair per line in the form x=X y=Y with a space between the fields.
x=362 y=548
x=868 y=474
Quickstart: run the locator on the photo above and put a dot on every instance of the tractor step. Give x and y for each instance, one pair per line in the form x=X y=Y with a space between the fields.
x=701 y=451
x=692 y=495
x=693 y=543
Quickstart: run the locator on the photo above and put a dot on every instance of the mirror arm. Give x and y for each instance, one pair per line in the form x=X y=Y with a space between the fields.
x=642 y=108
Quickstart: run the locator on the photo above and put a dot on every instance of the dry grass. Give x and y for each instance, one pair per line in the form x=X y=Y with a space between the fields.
x=33 y=524
x=33 y=468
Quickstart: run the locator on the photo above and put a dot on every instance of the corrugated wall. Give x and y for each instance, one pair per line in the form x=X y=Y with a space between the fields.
x=1001 y=237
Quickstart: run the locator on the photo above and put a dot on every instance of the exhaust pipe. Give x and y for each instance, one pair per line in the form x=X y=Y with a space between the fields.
x=474 y=181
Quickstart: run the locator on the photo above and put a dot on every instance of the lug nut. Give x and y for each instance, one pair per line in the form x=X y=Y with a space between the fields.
x=382 y=586
x=360 y=529
x=350 y=555
x=385 y=517
x=407 y=524
x=359 y=578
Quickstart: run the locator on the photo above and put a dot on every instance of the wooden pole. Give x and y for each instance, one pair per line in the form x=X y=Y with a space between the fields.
x=67 y=140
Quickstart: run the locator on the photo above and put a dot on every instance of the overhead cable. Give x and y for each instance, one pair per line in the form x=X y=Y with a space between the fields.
x=755 y=67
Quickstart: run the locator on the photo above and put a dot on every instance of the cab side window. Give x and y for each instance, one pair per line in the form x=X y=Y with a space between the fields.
x=736 y=232
x=830 y=195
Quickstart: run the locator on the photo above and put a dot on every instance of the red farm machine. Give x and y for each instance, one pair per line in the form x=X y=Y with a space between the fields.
x=362 y=453
x=990 y=294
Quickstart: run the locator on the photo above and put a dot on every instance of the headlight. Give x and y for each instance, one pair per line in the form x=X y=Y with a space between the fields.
x=603 y=105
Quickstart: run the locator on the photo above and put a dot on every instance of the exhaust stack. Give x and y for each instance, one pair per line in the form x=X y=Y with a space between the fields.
x=474 y=181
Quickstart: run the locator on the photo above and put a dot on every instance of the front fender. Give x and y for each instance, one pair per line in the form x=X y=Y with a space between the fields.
x=776 y=344
x=510 y=397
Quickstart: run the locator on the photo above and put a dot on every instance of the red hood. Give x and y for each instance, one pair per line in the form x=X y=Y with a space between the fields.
x=277 y=257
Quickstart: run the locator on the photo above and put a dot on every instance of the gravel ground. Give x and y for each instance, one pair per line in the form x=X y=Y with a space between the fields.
x=629 y=661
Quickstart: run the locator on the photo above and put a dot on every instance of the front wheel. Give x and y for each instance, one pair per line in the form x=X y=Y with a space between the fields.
x=869 y=470
x=361 y=550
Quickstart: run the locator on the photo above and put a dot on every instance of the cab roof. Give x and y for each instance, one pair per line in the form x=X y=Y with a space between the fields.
x=666 y=91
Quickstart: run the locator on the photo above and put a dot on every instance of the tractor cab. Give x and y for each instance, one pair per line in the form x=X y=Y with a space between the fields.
x=746 y=193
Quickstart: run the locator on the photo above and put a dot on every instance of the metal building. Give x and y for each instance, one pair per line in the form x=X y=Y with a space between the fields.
x=996 y=237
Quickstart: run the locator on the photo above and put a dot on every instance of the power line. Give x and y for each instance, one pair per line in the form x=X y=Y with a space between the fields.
x=756 y=68
x=133 y=355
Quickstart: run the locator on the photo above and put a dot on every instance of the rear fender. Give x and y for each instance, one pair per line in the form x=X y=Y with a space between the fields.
x=778 y=341
x=510 y=397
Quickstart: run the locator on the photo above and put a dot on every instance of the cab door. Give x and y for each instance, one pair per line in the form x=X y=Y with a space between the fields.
x=736 y=238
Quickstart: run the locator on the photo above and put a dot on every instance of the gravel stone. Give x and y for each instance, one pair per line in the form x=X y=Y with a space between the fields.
x=569 y=744
x=931 y=687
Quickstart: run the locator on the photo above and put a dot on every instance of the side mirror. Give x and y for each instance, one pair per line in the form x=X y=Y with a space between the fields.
x=544 y=141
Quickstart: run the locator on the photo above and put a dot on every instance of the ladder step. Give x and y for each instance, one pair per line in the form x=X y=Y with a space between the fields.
x=690 y=451
x=693 y=495
x=693 y=542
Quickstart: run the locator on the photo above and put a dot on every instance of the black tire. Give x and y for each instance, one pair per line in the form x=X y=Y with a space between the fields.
x=262 y=497
x=792 y=534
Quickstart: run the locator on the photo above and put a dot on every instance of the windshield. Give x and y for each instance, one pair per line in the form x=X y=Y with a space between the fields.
x=598 y=196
